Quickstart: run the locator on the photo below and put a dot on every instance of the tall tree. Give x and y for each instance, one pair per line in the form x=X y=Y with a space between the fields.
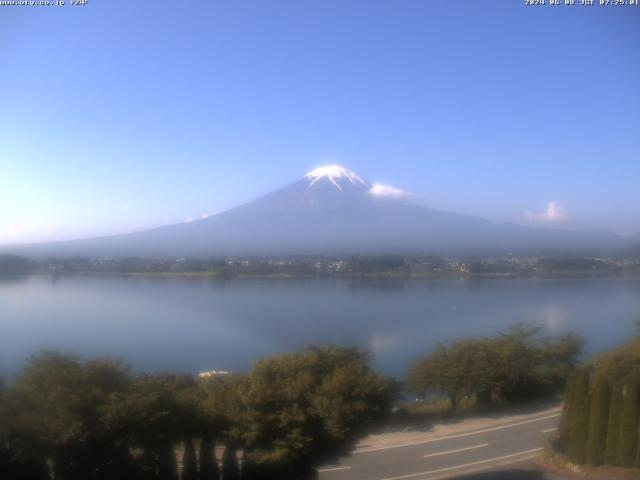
x=189 y=461
x=579 y=423
x=209 y=469
x=628 y=437
x=230 y=467
x=167 y=467
x=613 y=425
x=598 y=417
x=565 y=420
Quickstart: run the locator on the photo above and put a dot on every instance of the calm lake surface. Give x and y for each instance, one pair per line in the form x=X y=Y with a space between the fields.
x=193 y=325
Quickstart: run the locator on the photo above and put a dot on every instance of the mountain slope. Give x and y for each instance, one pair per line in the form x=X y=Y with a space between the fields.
x=330 y=210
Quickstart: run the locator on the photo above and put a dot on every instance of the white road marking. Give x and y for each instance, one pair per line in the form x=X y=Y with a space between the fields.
x=549 y=430
x=462 y=472
x=456 y=450
x=460 y=435
x=521 y=459
x=484 y=468
x=458 y=467
x=333 y=469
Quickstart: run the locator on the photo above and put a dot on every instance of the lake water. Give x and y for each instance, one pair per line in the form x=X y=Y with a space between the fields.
x=193 y=325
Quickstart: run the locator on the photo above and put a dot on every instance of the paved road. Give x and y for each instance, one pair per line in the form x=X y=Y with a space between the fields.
x=451 y=456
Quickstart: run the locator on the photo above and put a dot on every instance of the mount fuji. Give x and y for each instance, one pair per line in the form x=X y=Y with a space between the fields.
x=331 y=210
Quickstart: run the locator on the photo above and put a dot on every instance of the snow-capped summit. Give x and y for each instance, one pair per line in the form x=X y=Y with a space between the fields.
x=336 y=174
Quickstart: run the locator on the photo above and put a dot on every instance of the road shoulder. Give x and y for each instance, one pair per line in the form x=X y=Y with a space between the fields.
x=454 y=427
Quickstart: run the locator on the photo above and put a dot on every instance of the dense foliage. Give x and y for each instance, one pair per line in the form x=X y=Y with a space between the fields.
x=579 y=416
x=518 y=364
x=70 y=419
x=598 y=413
x=307 y=407
x=601 y=419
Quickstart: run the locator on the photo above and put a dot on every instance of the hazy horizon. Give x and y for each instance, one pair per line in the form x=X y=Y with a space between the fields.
x=553 y=217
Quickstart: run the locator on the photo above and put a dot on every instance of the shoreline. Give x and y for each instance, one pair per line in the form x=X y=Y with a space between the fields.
x=193 y=275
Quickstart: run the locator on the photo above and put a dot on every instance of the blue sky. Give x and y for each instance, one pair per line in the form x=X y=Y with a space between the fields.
x=123 y=115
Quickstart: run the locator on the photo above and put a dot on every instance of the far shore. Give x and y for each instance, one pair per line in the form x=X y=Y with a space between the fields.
x=346 y=275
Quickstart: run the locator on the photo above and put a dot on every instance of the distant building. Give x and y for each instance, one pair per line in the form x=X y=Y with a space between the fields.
x=213 y=373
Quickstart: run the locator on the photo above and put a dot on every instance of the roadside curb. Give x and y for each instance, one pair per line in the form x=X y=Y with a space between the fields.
x=363 y=448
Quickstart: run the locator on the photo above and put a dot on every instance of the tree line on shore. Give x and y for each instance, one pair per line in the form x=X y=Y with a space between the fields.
x=313 y=265
x=601 y=417
x=71 y=419
x=519 y=364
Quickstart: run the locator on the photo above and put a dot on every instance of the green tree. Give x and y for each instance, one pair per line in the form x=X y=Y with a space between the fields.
x=5 y=447
x=221 y=405
x=209 y=469
x=154 y=416
x=559 y=357
x=517 y=354
x=529 y=365
x=230 y=468
x=21 y=455
x=224 y=419
x=579 y=422
x=454 y=370
x=621 y=367
x=565 y=419
x=628 y=435
x=167 y=467
x=613 y=425
x=308 y=408
x=59 y=404
x=598 y=417
x=622 y=364
x=189 y=461
x=516 y=365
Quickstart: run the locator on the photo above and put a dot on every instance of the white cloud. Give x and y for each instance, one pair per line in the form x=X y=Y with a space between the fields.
x=210 y=214
x=202 y=217
x=387 y=191
x=554 y=213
